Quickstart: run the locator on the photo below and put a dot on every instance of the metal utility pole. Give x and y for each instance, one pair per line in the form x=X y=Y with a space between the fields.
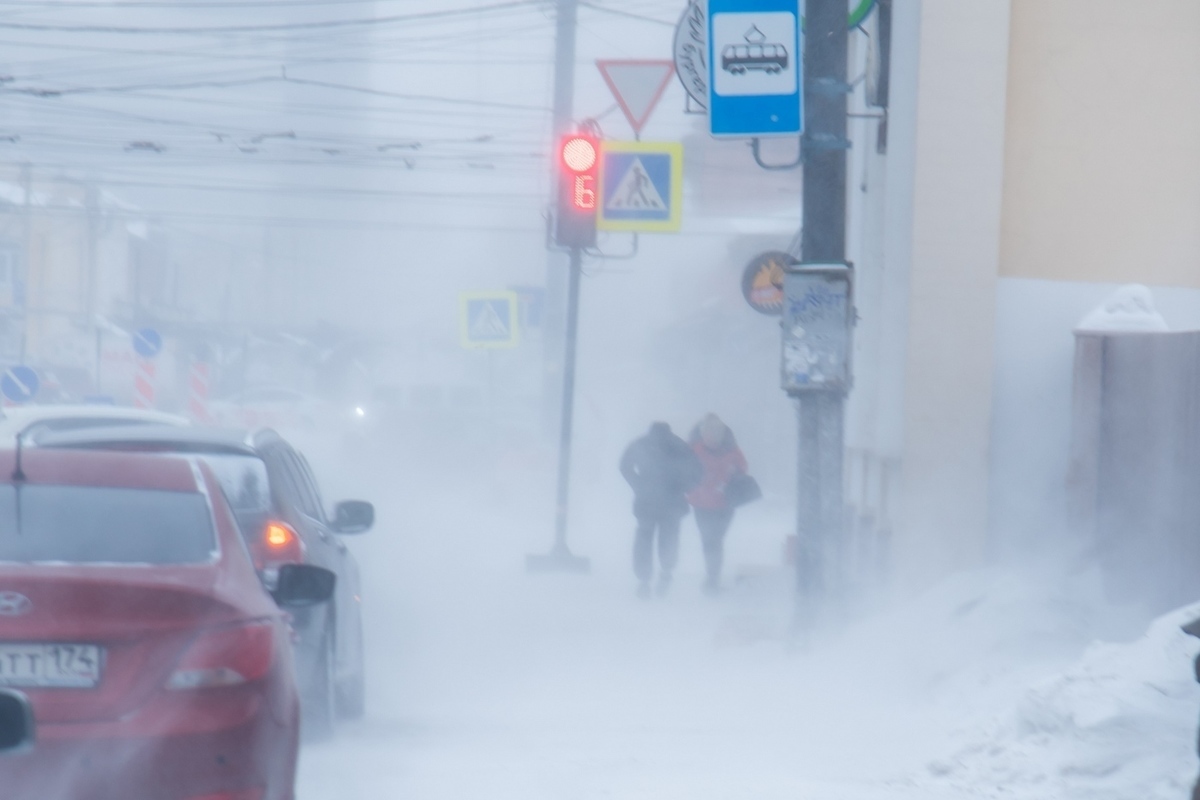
x=560 y=558
x=820 y=505
x=554 y=324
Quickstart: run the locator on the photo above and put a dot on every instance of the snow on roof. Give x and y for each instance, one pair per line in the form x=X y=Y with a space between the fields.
x=1130 y=308
x=14 y=194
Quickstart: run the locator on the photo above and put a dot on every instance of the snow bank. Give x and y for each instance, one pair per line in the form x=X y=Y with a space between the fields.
x=1119 y=724
x=1130 y=308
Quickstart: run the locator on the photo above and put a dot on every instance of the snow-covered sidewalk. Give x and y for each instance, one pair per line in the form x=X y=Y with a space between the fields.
x=487 y=682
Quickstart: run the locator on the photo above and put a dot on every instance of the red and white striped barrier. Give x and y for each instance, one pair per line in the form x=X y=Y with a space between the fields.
x=144 y=380
x=198 y=381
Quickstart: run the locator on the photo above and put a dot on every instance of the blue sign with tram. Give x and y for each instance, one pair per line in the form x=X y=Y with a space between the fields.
x=754 y=61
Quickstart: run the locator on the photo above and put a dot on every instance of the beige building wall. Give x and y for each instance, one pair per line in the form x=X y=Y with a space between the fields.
x=1102 y=170
x=956 y=210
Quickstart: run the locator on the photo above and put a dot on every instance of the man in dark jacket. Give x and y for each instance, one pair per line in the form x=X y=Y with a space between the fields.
x=661 y=468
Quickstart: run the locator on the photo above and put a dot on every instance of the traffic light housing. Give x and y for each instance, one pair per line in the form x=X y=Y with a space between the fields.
x=578 y=162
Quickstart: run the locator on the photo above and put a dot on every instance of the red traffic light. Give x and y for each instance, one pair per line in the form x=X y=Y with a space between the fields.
x=579 y=153
x=579 y=159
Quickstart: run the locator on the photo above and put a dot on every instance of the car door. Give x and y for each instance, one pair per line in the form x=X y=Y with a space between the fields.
x=298 y=507
x=348 y=592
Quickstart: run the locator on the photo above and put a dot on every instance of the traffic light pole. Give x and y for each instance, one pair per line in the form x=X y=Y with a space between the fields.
x=560 y=558
x=568 y=404
x=820 y=513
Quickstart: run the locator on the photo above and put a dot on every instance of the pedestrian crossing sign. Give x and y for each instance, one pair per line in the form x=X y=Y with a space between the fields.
x=641 y=186
x=488 y=319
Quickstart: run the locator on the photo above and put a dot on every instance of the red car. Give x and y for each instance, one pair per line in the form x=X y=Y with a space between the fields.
x=157 y=665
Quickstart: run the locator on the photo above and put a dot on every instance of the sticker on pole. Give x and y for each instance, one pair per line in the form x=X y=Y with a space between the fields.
x=754 y=65
x=19 y=384
x=147 y=342
x=488 y=319
x=641 y=186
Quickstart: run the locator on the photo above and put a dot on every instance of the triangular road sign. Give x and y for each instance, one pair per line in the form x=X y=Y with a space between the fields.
x=638 y=85
x=636 y=191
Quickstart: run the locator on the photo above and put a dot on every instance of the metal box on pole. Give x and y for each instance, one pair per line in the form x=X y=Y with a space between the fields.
x=818 y=323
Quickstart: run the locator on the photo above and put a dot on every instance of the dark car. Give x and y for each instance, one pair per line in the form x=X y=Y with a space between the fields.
x=282 y=516
x=155 y=662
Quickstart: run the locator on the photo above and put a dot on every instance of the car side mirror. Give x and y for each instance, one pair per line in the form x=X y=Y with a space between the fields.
x=303 y=585
x=353 y=516
x=16 y=722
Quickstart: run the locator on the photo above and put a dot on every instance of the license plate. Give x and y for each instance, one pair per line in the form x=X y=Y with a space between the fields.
x=75 y=666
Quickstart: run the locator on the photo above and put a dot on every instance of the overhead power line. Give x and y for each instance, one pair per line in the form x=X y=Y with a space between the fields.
x=105 y=4
x=616 y=12
x=279 y=27
x=237 y=82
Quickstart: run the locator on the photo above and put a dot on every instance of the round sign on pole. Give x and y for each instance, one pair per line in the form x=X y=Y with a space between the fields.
x=19 y=384
x=762 y=281
x=691 y=51
x=147 y=342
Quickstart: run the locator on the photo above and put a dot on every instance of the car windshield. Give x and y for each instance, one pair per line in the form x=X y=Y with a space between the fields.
x=243 y=478
x=88 y=525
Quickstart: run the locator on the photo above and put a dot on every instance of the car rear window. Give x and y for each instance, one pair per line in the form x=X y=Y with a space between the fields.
x=243 y=478
x=88 y=525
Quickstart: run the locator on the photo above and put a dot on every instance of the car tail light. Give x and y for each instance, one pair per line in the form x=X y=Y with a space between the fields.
x=279 y=544
x=226 y=657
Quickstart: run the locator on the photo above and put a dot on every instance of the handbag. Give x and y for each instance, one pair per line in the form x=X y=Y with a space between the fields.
x=741 y=489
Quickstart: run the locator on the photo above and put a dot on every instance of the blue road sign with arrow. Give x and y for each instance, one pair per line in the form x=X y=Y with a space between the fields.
x=19 y=384
x=147 y=342
x=754 y=63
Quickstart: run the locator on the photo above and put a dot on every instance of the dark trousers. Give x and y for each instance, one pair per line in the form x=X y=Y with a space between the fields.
x=667 y=527
x=713 y=525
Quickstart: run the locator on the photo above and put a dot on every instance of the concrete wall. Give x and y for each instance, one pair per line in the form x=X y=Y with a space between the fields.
x=956 y=203
x=1031 y=422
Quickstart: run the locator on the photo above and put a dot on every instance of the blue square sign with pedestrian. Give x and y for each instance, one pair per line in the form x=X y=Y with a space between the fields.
x=637 y=186
x=641 y=186
x=489 y=319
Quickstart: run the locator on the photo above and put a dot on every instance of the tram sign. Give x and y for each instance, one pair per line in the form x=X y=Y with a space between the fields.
x=754 y=61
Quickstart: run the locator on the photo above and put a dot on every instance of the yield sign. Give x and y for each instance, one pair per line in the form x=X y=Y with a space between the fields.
x=637 y=85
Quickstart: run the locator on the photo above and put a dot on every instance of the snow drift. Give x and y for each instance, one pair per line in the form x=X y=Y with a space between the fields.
x=1119 y=724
